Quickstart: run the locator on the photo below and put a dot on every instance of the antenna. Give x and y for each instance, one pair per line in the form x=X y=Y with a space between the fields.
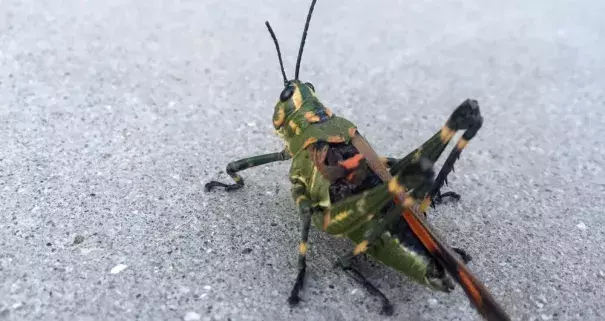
x=281 y=63
x=304 y=37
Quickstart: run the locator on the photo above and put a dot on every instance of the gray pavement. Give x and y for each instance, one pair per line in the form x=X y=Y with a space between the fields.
x=113 y=114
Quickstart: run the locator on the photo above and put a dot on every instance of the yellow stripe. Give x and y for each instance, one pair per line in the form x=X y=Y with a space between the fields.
x=395 y=187
x=300 y=199
x=294 y=127
x=425 y=204
x=361 y=247
x=281 y=117
x=297 y=98
x=341 y=216
x=309 y=142
x=313 y=176
x=302 y=249
x=461 y=144
x=417 y=154
x=446 y=134
x=311 y=117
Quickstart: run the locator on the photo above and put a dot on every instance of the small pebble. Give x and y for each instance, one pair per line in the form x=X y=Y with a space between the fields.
x=247 y=250
x=118 y=268
x=581 y=226
x=78 y=239
x=192 y=316
x=207 y=287
x=432 y=301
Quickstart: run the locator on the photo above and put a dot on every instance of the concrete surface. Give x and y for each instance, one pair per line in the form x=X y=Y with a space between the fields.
x=113 y=114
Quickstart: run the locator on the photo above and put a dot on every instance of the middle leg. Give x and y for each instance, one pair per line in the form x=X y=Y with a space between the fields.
x=418 y=177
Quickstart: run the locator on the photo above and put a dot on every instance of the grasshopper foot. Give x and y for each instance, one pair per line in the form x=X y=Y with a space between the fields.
x=293 y=300
x=439 y=198
x=463 y=255
x=228 y=187
x=387 y=308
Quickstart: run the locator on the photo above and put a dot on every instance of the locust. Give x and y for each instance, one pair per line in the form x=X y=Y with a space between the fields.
x=343 y=187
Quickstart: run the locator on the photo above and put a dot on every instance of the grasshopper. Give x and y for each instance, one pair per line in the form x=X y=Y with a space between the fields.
x=341 y=186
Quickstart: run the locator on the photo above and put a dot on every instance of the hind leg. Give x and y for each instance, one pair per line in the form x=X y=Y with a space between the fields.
x=466 y=117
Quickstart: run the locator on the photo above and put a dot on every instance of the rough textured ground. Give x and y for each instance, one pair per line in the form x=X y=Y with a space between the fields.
x=113 y=114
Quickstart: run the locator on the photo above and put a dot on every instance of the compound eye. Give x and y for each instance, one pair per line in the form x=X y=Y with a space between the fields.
x=310 y=86
x=286 y=93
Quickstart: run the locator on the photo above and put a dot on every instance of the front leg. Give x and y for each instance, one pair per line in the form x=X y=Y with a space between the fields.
x=242 y=164
x=299 y=193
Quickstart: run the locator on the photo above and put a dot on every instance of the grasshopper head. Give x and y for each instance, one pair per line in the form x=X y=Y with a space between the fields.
x=297 y=105
x=297 y=108
x=293 y=97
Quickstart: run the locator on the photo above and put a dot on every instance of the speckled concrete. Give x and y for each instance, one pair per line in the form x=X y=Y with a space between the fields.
x=113 y=114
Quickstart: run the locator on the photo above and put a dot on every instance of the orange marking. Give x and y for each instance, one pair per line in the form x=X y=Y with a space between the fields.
x=469 y=285
x=335 y=139
x=461 y=144
x=309 y=142
x=446 y=134
x=311 y=117
x=352 y=131
x=281 y=117
x=293 y=125
x=361 y=247
x=351 y=163
x=351 y=176
x=408 y=201
x=419 y=230
x=327 y=220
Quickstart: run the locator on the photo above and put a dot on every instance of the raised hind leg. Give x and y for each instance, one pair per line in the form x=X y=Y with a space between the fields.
x=466 y=116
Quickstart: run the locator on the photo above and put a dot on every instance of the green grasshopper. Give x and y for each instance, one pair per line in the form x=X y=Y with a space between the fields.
x=344 y=188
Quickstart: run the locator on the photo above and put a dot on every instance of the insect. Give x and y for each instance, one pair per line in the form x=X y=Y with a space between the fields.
x=341 y=186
